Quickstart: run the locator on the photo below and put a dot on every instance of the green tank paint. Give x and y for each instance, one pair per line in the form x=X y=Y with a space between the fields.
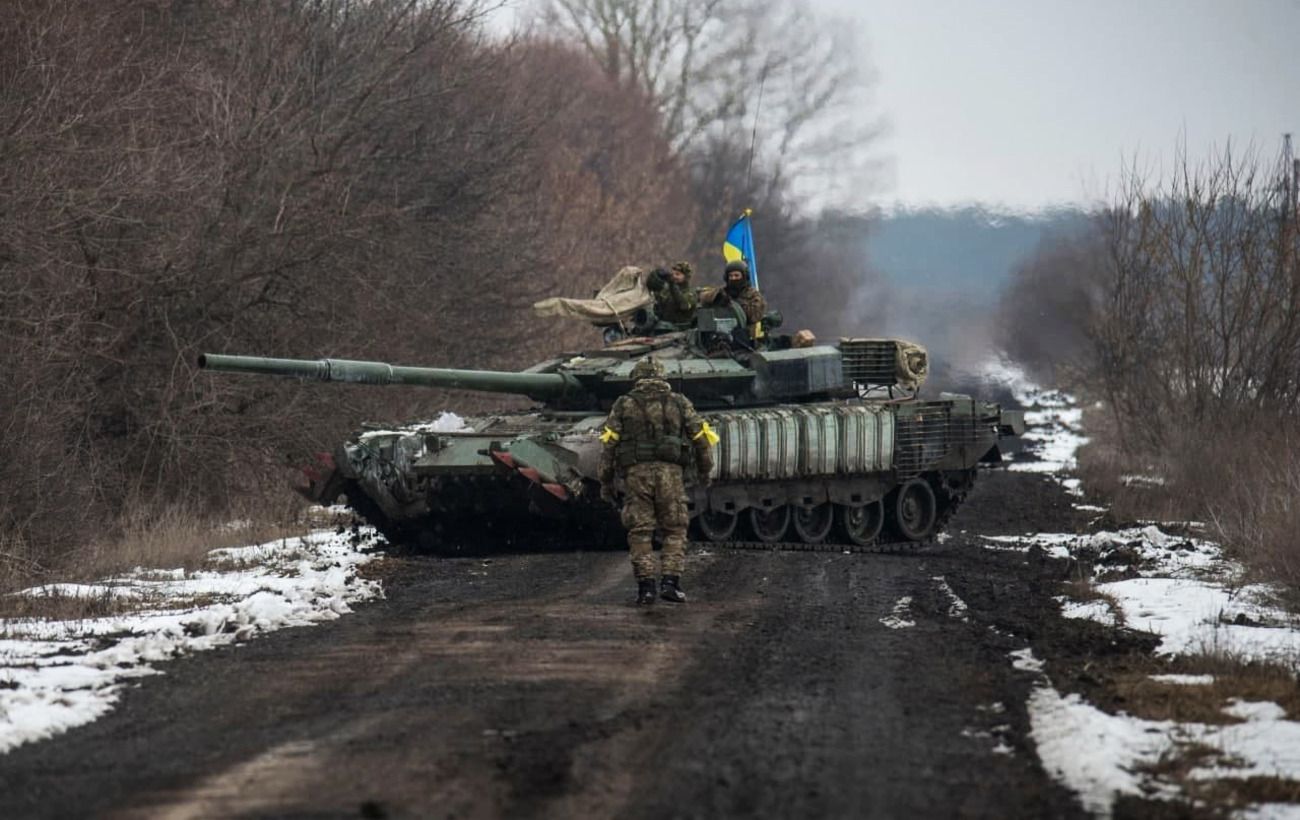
x=844 y=425
x=533 y=385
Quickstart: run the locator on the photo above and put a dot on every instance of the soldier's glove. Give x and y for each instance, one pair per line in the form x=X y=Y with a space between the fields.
x=608 y=495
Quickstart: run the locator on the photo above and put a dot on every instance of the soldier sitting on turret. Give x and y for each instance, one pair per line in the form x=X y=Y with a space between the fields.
x=675 y=301
x=738 y=291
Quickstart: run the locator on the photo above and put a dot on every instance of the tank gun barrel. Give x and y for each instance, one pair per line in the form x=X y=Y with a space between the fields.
x=534 y=385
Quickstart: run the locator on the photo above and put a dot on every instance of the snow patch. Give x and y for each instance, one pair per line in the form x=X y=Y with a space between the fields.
x=1024 y=660
x=447 y=422
x=55 y=675
x=900 y=618
x=956 y=606
x=1093 y=753
x=1098 y=610
x=1184 y=680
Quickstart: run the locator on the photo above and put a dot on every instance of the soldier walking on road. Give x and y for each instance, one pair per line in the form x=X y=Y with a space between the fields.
x=650 y=437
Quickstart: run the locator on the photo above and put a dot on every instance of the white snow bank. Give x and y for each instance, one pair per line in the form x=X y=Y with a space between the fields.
x=1199 y=617
x=1053 y=424
x=55 y=675
x=1094 y=754
x=1100 y=756
x=1187 y=592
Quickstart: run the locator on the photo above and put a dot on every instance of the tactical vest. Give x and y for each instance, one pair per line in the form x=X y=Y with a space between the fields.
x=659 y=445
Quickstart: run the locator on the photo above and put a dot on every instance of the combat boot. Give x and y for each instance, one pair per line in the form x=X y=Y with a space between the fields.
x=670 y=589
x=645 y=592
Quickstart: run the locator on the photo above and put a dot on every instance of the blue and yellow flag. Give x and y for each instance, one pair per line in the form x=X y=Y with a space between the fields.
x=739 y=245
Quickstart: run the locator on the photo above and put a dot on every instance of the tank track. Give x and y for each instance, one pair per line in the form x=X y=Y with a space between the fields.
x=880 y=546
x=370 y=513
x=877 y=548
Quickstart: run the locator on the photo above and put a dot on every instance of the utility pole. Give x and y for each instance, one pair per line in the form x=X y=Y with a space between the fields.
x=1290 y=177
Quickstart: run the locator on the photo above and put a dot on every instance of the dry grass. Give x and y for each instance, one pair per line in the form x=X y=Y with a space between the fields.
x=1143 y=697
x=1238 y=793
x=149 y=536
x=1179 y=761
x=1243 y=482
x=1221 y=796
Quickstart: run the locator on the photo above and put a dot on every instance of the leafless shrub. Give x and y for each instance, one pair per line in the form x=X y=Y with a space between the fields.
x=371 y=179
x=1199 y=325
x=1194 y=332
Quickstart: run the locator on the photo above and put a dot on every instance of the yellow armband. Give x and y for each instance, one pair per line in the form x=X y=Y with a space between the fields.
x=705 y=430
x=608 y=436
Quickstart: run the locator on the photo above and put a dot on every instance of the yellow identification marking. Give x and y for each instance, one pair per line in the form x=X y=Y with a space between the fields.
x=608 y=436
x=705 y=430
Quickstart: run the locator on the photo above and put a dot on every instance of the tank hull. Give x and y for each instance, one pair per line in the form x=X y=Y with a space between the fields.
x=504 y=477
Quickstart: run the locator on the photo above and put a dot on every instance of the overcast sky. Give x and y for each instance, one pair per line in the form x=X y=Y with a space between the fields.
x=1033 y=103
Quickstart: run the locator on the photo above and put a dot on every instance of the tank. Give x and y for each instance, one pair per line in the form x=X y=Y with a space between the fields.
x=819 y=444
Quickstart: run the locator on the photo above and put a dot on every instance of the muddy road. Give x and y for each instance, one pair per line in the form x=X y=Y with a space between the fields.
x=527 y=685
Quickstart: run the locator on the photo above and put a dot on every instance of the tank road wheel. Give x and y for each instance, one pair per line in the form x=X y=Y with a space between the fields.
x=717 y=525
x=813 y=524
x=913 y=510
x=769 y=525
x=860 y=525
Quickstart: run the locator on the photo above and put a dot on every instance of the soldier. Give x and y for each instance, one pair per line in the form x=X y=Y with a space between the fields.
x=738 y=290
x=675 y=301
x=649 y=438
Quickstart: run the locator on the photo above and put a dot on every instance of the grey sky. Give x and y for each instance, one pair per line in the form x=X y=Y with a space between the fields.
x=1032 y=103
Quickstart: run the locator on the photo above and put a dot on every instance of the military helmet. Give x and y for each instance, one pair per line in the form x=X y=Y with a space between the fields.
x=647 y=368
x=684 y=267
x=738 y=265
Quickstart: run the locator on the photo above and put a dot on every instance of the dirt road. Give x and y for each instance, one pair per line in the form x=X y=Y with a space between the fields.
x=526 y=685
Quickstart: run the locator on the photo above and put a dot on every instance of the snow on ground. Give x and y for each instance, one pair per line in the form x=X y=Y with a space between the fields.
x=901 y=617
x=1053 y=423
x=1181 y=588
x=55 y=675
x=956 y=606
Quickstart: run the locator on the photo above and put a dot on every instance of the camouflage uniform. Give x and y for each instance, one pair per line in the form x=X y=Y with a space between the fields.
x=749 y=300
x=649 y=437
x=677 y=303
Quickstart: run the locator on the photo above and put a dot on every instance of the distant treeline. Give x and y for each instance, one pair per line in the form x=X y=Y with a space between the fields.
x=363 y=178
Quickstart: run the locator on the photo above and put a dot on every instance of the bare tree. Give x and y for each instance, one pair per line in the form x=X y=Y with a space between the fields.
x=371 y=178
x=1199 y=323
x=711 y=64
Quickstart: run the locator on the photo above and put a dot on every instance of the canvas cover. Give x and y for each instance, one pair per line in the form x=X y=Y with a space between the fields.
x=913 y=365
x=615 y=303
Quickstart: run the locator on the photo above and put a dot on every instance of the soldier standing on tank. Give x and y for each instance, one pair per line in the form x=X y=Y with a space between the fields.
x=737 y=290
x=650 y=437
x=675 y=301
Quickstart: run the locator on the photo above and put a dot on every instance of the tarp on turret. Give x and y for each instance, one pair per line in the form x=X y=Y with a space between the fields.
x=613 y=304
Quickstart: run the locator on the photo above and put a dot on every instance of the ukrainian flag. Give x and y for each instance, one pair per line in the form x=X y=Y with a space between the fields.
x=739 y=245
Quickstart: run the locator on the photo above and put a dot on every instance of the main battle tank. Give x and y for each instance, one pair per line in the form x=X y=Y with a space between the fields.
x=818 y=444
